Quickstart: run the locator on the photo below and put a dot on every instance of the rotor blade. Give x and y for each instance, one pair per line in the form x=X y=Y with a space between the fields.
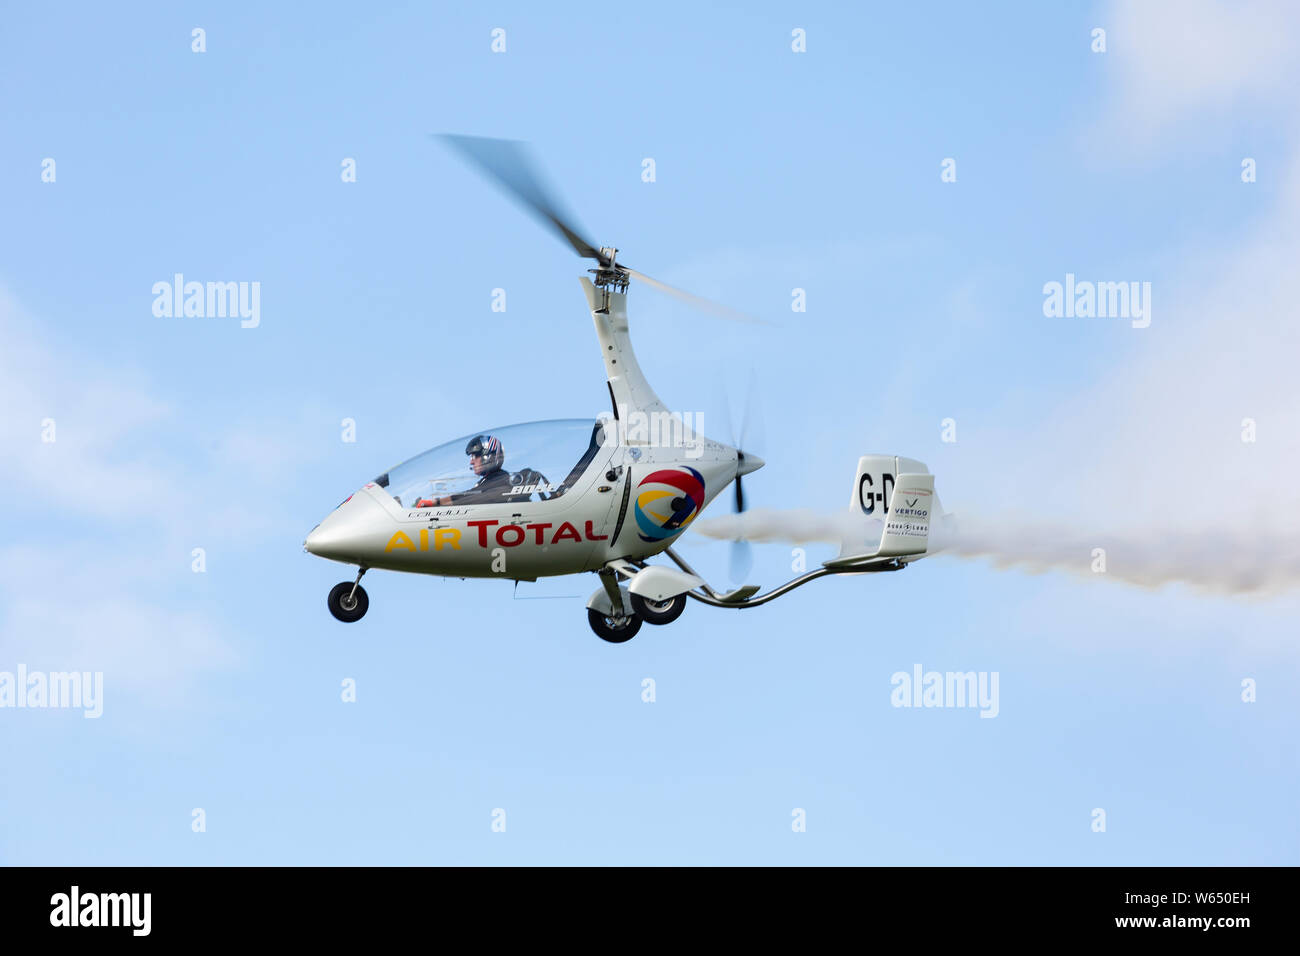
x=508 y=163
x=707 y=305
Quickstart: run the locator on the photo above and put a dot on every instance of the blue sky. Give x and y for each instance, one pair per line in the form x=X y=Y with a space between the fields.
x=774 y=171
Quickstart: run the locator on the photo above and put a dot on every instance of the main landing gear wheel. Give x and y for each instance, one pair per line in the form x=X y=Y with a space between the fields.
x=659 y=612
x=613 y=630
x=345 y=605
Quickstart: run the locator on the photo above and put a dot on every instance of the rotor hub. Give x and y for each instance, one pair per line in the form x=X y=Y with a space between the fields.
x=610 y=277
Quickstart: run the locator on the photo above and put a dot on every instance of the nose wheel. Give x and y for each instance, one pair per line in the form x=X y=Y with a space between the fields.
x=348 y=600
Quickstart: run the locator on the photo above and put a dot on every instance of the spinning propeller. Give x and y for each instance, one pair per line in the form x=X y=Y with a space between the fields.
x=742 y=556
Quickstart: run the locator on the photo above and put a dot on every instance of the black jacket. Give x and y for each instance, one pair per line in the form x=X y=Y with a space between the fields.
x=492 y=487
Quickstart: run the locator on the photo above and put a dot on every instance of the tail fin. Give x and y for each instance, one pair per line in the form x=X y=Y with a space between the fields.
x=907 y=525
x=896 y=498
x=874 y=483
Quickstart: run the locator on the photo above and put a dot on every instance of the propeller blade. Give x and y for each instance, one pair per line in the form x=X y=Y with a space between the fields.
x=698 y=301
x=742 y=554
x=508 y=162
x=742 y=561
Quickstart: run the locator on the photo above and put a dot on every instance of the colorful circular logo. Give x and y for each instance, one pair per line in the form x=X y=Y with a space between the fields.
x=667 y=501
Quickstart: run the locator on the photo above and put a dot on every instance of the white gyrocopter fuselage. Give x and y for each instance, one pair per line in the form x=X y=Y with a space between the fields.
x=564 y=497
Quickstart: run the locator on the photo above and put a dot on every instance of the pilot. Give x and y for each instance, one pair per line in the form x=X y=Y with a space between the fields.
x=486 y=456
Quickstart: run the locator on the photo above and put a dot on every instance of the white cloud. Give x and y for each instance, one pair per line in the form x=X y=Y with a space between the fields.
x=93 y=412
x=66 y=609
x=122 y=453
x=1153 y=454
x=129 y=475
x=1186 y=65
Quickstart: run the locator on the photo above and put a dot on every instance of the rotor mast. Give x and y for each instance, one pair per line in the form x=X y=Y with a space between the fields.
x=607 y=299
x=606 y=295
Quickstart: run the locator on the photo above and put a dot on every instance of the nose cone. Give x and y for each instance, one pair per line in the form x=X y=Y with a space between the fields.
x=745 y=463
x=345 y=533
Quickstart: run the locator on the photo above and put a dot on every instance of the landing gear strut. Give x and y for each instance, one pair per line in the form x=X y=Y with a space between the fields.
x=349 y=602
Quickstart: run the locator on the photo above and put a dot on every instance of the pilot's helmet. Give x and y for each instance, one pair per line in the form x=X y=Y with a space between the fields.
x=489 y=446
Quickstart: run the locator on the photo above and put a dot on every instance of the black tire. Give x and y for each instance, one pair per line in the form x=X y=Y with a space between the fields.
x=338 y=600
x=607 y=631
x=659 y=612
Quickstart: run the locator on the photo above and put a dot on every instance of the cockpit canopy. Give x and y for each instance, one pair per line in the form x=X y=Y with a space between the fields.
x=537 y=461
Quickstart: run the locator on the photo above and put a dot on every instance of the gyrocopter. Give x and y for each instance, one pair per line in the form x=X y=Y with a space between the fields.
x=550 y=498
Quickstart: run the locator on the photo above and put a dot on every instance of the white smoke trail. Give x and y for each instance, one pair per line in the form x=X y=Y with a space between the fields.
x=1210 y=560
x=1213 y=560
